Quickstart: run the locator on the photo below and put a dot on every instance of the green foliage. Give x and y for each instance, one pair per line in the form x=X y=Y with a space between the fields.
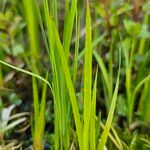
x=62 y=45
x=10 y=27
x=132 y=28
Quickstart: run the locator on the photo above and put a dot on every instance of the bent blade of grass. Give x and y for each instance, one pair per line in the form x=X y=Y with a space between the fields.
x=93 y=115
x=111 y=111
x=87 y=78
x=39 y=126
x=26 y=72
x=69 y=84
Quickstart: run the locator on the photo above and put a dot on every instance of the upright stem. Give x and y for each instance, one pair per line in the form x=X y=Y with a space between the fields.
x=32 y=26
x=129 y=80
x=110 y=76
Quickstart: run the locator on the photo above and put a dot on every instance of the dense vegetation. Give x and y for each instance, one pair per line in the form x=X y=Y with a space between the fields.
x=75 y=74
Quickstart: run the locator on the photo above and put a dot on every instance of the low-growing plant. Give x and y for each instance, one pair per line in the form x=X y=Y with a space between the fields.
x=5 y=125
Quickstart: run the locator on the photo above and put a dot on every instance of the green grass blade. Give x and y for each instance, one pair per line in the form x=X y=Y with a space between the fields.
x=94 y=44
x=93 y=116
x=38 y=14
x=75 y=65
x=39 y=131
x=54 y=5
x=4 y=4
x=111 y=112
x=35 y=100
x=32 y=29
x=102 y=67
x=87 y=78
x=68 y=28
x=116 y=141
x=32 y=26
x=66 y=15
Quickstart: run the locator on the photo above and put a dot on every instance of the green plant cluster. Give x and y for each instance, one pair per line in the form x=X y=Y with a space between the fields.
x=89 y=63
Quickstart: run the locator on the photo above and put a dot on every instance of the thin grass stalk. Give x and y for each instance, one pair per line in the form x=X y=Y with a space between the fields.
x=105 y=133
x=75 y=65
x=54 y=10
x=143 y=97
x=146 y=110
x=93 y=117
x=39 y=133
x=102 y=67
x=115 y=139
x=34 y=47
x=1 y=72
x=66 y=15
x=110 y=76
x=146 y=79
x=129 y=78
x=110 y=72
x=69 y=23
x=32 y=31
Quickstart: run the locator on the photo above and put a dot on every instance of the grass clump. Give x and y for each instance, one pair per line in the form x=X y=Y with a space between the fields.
x=89 y=80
